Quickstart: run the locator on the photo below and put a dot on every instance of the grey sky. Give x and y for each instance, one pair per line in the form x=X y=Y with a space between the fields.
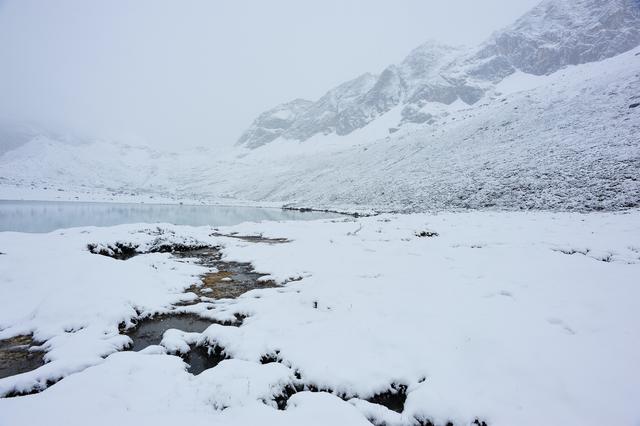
x=185 y=73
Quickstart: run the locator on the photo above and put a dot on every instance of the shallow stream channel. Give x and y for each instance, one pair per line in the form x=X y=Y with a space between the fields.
x=230 y=280
x=225 y=280
x=21 y=354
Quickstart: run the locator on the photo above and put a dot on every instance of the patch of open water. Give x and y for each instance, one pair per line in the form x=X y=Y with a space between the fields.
x=47 y=216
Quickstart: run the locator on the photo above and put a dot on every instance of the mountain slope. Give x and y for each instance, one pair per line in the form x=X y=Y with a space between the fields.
x=559 y=33
x=553 y=35
x=273 y=123
x=101 y=168
x=564 y=141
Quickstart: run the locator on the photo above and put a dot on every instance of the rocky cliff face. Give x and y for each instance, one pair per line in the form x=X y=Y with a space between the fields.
x=553 y=35
x=326 y=115
x=557 y=33
x=273 y=123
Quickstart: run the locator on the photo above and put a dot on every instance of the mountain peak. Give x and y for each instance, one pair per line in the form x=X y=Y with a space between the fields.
x=558 y=33
x=551 y=36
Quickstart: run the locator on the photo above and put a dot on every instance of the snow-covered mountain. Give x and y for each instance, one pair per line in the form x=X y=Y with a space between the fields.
x=568 y=140
x=559 y=33
x=356 y=103
x=101 y=168
x=553 y=35
x=543 y=115
x=273 y=123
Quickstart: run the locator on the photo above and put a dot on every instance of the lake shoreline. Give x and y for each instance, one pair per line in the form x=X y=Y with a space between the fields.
x=47 y=216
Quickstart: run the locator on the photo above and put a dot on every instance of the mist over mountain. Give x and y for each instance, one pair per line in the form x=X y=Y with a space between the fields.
x=553 y=35
x=539 y=116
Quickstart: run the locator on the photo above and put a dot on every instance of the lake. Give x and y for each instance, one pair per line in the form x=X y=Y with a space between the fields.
x=46 y=216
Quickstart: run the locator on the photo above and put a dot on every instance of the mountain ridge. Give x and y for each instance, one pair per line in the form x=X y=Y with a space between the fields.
x=552 y=35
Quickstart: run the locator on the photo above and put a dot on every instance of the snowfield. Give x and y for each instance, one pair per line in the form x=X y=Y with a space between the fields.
x=507 y=318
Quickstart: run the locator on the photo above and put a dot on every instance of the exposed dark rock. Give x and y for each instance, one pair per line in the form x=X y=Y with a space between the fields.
x=270 y=358
x=120 y=251
x=282 y=398
x=393 y=399
x=125 y=251
x=202 y=358
x=254 y=238
x=273 y=123
x=428 y=422
x=426 y=234
x=33 y=391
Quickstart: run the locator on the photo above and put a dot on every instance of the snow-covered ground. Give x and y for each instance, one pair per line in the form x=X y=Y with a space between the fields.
x=508 y=318
x=564 y=141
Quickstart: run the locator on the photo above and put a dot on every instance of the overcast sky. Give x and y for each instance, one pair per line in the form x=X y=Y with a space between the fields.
x=185 y=73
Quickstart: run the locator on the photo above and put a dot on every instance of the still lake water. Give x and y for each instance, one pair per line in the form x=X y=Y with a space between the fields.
x=46 y=216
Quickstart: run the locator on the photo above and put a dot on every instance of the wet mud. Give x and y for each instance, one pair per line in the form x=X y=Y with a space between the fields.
x=229 y=281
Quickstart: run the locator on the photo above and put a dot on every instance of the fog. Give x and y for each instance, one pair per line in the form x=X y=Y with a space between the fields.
x=177 y=74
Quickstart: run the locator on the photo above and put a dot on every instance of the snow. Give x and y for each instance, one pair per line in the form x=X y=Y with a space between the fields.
x=520 y=81
x=491 y=314
x=511 y=318
x=551 y=36
x=75 y=300
x=543 y=148
x=282 y=148
x=536 y=117
x=532 y=143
